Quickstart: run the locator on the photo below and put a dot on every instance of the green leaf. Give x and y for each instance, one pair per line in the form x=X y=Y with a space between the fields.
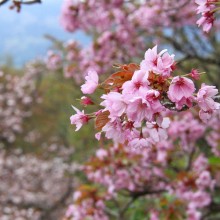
x=214 y=161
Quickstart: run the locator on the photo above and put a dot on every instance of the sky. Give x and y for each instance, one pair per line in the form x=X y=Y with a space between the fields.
x=22 y=34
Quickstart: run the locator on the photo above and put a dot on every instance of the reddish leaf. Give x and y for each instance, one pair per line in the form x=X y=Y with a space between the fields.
x=101 y=120
x=116 y=80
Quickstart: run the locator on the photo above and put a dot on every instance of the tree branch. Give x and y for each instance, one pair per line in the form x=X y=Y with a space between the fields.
x=217 y=98
x=27 y=2
x=127 y=205
x=145 y=192
x=190 y=159
x=172 y=106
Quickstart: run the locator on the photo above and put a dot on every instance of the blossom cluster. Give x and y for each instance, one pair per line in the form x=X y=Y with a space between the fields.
x=53 y=60
x=17 y=95
x=32 y=186
x=72 y=17
x=118 y=21
x=89 y=203
x=178 y=182
x=125 y=21
x=206 y=8
x=138 y=99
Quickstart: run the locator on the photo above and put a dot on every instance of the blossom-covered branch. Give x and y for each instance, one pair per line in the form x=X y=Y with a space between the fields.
x=135 y=100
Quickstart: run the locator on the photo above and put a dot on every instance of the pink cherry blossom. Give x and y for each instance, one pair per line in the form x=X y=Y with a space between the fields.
x=195 y=74
x=139 y=80
x=140 y=143
x=53 y=61
x=205 y=98
x=68 y=16
x=153 y=98
x=86 y=101
x=205 y=180
x=113 y=130
x=206 y=103
x=114 y=103
x=101 y=154
x=98 y=135
x=154 y=215
x=180 y=88
x=193 y=214
x=200 y=163
x=139 y=109
x=205 y=116
x=205 y=8
x=91 y=82
x=206 y=21
x=199 y=199
x=157 y=129
x=79 y=119
x=161 y=63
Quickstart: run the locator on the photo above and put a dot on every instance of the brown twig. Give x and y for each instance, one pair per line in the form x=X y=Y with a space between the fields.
x=28 y=2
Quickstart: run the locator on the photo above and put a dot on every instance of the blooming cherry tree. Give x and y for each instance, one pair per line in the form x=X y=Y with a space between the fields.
x=153 y=118
x=162 y=160
x=18 y=95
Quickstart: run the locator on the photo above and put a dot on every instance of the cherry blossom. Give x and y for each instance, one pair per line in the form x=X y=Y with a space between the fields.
x=180 y=88
x=161 y=63
x=206 y=8
x=86 y=101
x=206 y=103
x=195 y=74
x=91 y=82
x=79 y=119
x=53 y=61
